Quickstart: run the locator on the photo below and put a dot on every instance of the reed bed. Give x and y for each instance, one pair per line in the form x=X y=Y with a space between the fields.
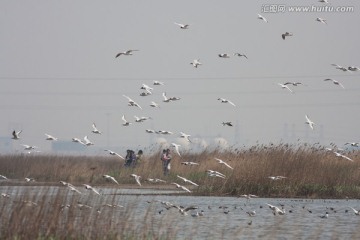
x=310 y=170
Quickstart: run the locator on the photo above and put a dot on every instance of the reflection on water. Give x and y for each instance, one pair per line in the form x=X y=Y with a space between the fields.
x=224 y=217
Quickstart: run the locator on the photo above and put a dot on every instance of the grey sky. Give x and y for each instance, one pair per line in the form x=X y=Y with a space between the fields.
x=59 y=73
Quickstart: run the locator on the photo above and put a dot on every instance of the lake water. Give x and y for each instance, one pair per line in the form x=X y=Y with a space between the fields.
x=224 y=217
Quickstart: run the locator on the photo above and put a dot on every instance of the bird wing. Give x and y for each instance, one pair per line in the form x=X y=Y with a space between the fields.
x=231 y=103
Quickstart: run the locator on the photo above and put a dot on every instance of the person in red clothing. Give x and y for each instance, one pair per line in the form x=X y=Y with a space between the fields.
x=166 y=158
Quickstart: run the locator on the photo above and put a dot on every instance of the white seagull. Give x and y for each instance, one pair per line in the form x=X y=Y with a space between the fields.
x=87 y=142
x=196 y=63
x=353 y=69
x=77 y=140
x=240 y=55
x=357 y=212
x=276 y=210
x=141 y=119
x=114 y=153
x=137 y=178
x=344 y=69
x=262 y=18
x=132 y=102
x=189 y=163
x=154 y=105
x=3 y=177
x=286 y=34
x=353 y=144
x=110 y=178
x=215 y=173
x=158 y=83
x=187 y=180
x=16 y=135
x=335 y=82
x=293 y=83
x=223 y=162
x=150 y=130
x=126 y=53
x=308 y=121
x=146 y=87
x=126 y=123
x=182 y=187
x=285 y=87
x=182 y=26
x=50 y=138
x=276 y=177
x=176 y=146
x=224 y=55
x=223 y=100
x=343 y=156
x=321 y=20
x=28 y=147
x=248 y=196
x=95 y=130
x=88 y=187
x=186 y=136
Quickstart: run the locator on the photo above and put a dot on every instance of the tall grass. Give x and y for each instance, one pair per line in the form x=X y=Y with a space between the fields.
x=311 y=171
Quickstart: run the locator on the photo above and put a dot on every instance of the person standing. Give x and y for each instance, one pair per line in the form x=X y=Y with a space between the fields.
x=166 y=159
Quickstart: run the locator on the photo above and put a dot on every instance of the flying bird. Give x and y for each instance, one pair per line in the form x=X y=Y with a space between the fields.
x=126 y=53
x=158 y=83
x=88 y=187
x=77 y=140
x=189 y=163
x=182 y=187
x=187 y=180
x=353 y=144
x=50 y=138
x=283 y=86
x=114 y=153
x=186 y=136
x=321 y=20
x=182 y=26
x=95 y=130
x=224 y=55
x=132 y=102
x=176 y=146
x=16 y=135
x=137 y=178
x=353 y=69
x=286 y=34
x=150 y=130
x=227 y=124
x=126 y=123
x=276 y=177
x=28 y=147
x=276 y=210
x=154 y=105
x=308 y=121
x=262 y=18
x=223 y=162
x=141 y=119
x=292 y=83
x=110 y=178
x=240 y=55
x=196 y=63
x=335 y=82
x=344 y=69
x=223 y=100
x=343 y=156
x=213 y=173
x=87 y=142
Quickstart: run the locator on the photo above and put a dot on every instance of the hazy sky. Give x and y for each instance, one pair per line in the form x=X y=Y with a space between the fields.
x=59 y=74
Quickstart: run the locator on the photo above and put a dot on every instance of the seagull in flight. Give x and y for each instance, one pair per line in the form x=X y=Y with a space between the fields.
x=276 y=210
x=154 y=105
x=50 y=138
x=357 y=212
x=292 y=83
x=16 y=135
x=146 y=87
x=324 y=1
x=126 y=123
x=158 y=83
x=189 y=163
x=87 y=142
x=213 y=173
x=186 y=136
x=137 y=178
x=343 y=156
x=335 y=82
x=224 y=55
x=176 y=146
x=126 y=53
x=321 y=20
x=110 y=178
x=262 y=18
x=141 y=119
x=95 y=130
x=196 y=63
x=28 y=147
x=182 y=187
x=353 y=144
x=114 y=153
x=285 y=87
x=344 y=69
x=353 y=69
x=182 y=26
x=223 y=162
x=132 y=102
x=88 y=187
x=248 y=196
x=3 y=177
x=240 y=55
x=308 y=121
x=77 y=140
x=187 y=180
x=149 y=130
x=227 y=124
x=286 y=34
x=223 y=100
x=276 y=177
